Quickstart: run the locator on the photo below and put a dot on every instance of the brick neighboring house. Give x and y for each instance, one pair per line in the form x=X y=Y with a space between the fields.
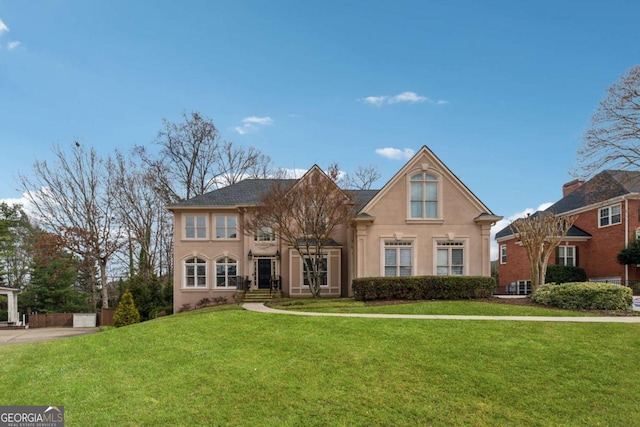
x=424 y=221
x=608 y=209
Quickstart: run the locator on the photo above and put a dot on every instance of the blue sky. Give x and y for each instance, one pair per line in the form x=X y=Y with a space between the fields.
x=501 y=91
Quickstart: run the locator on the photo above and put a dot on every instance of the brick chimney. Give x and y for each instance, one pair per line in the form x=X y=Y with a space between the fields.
x=571 y=186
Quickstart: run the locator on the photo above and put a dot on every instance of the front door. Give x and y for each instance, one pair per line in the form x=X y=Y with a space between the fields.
x=264 y=273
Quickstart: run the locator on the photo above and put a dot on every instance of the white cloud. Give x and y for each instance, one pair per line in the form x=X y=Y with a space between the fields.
x=410 y=97
x=375 y=100
x=500 y=225
x=13 y=45
x=395 y=153
x=252 y=124
x=3 y=27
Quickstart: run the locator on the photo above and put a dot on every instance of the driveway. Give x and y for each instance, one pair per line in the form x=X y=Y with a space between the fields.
x=18 y=336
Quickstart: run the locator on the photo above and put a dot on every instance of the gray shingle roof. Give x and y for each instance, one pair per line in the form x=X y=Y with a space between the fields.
x=604 y=186
x=245 y=192
x=249 y=192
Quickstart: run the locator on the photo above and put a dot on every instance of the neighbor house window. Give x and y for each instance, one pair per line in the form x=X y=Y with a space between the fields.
x=450 y=259
x=195 y=273
x=524 y=287
x=322 y=269
x=226 y=273
x=265 y=234
x=397 y=259
x=567 y=256
x=503 y=254
x=424 y=195
x=195 y=227
x=226 y=227
x=610 y=215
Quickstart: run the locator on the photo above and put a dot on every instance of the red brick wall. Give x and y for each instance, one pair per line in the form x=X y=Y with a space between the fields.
x=597 y=255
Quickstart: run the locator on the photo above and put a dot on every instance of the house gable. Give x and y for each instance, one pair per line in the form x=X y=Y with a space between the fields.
x=426 y=160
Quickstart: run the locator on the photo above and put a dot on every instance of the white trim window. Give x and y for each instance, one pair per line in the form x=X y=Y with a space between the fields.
x=610 y=215
x=226 y=273
x=423 y=196
x=195 y=273
x=398 y=257
x=195 y=227
x=450 y=258
x=503 y=254
x=226 y=227
x=265 y=234
x=524 y=287
x=567 y=256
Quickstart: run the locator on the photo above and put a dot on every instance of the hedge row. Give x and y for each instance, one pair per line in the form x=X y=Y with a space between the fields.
x=585 y=296
x=422 y=287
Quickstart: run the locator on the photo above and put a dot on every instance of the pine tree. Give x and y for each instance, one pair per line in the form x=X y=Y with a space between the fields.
x=126 y=313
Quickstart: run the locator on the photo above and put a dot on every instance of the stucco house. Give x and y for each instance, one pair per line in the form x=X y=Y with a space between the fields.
x=424 y=221
x=608 y=210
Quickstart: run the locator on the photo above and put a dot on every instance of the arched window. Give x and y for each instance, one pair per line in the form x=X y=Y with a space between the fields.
x=195 y=273
x=424 y=195
x=226 y=273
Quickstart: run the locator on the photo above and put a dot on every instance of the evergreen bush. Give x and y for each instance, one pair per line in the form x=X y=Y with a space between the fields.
x=565 y=274
x=422 y=287
x=126 y=313
x=585 y=296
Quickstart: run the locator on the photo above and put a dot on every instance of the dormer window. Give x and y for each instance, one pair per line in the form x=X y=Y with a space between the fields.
x=424 y=196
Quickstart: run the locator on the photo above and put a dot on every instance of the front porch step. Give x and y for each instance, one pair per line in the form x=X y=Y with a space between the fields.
x=260 y=295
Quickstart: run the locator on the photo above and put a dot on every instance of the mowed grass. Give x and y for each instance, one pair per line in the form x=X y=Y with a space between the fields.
x=231 y=367
x=437 y=307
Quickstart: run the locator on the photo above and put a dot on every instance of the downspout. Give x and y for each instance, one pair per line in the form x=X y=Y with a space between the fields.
x=626 y=238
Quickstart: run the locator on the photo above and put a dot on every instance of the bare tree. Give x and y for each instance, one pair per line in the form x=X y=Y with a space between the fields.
x=72 y=199
x=362 y=179
x=305 y=216
x=143 y=214
x=185 y=165
x=614 y=137
x=540 y=234
x=236 y=163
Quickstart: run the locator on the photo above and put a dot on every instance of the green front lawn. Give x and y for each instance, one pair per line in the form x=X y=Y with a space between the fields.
x=465 y=308
x=225 y=366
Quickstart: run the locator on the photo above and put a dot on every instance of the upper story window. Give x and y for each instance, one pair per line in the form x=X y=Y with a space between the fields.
x=450 y=258
x=195 y=273
x=195 y=227
x=226 y=227
x=566 y=255
x=424 y=195
x=398 y=259
x=610 y=215
x=265 y=234
x=226 y=273
x=503 y=254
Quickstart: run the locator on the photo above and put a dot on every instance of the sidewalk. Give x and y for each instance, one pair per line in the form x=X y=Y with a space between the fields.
x=18 y=336
x=261 y=308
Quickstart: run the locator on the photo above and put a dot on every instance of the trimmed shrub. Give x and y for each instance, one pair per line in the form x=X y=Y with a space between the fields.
x=565 y=274
x=126 y=313
x=422 y=287
x=585 y=296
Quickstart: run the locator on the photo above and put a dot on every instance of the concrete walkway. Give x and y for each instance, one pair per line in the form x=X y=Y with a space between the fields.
x=261 y=308
x=19 y=336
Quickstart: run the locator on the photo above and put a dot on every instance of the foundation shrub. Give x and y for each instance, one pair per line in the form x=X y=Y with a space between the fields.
x=585 y=296
x=422 y=287
x=565 y=274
